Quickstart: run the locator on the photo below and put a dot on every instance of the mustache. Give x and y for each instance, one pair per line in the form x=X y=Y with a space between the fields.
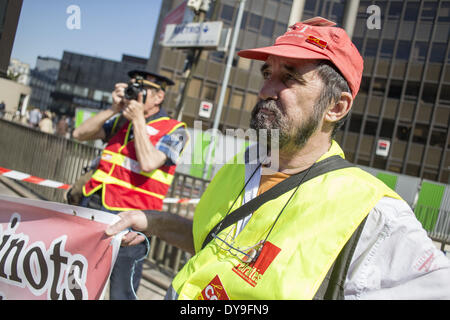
x=269 y=105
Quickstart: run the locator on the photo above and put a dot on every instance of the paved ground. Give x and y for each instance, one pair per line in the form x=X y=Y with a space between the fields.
x=4 y=190
x=153 y=285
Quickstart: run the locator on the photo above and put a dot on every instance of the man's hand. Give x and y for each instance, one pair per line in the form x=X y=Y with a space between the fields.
x=118 y=97
x=134 y=110
x=135 y=220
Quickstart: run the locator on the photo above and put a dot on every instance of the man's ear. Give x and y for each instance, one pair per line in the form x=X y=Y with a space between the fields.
x=340 y=108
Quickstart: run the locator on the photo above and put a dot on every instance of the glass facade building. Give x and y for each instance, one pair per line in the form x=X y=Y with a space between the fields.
x=405 y=91
x=404 y=97
x=86 y=81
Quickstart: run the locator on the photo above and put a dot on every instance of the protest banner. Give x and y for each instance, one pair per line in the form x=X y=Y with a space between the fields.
x=54 y=251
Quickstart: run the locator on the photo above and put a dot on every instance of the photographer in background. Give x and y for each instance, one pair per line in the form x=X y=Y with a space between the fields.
x=137 y=165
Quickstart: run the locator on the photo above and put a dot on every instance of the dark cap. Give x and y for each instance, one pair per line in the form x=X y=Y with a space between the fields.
x=161 y=81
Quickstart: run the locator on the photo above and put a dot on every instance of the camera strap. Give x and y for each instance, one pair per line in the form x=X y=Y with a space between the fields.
x=327 y=165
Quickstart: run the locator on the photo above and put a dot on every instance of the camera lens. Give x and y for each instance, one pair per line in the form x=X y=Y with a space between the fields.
x=132 y=91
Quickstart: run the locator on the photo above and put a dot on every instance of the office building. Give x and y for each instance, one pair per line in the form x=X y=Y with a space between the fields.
x=9 y=18
x=400 y=119
x=48 y=66
x=87 y=82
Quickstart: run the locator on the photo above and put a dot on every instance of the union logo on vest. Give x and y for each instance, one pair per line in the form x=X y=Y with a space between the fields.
x=253 y=272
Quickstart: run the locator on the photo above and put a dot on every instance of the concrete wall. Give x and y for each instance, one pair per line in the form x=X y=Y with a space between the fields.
x=10 y=92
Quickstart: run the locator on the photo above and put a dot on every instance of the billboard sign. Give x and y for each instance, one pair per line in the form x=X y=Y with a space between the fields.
x=53 y=251
x=203 y=34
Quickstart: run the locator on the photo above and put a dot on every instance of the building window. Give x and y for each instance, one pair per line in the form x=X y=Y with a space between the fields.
x=438 y=52
x=255 y=21
x=355 y=123
x=387 y=48
x=444 y=12
x=370 y=128
x=387 y=128
x=244 y=20
x=395 y=9
x=65 y=87
x=209 y=92
x=412 y=89
x=403 y=50
x=428 y=11
x=371 y=47
x=420 y=133
x=310 y=6
x=403 y=133
x=445 y=94
x=365 y=85
x=420 y=51
x=379 y=86
x=80 y=91
x=98 y=95
x=227 y=13
x=411 y=12
x=429 y=92
x=268 y=27
x=438 y=138
x=395 y=89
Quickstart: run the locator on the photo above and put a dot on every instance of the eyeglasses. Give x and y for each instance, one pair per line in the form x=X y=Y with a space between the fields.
x=243 y=254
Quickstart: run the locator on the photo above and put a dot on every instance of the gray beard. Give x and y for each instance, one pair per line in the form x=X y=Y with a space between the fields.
x=291 y=139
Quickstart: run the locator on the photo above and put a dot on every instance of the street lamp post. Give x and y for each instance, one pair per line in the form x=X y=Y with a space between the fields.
x=223 y=89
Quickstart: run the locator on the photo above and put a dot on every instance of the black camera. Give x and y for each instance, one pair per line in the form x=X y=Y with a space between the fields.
x=133 y=90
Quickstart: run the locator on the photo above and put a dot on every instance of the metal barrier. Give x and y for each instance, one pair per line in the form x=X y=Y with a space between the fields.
x=43 y=155
x=436 y=222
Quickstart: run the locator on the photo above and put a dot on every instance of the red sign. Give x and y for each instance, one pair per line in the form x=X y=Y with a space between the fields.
x=253 y=272
x=214 y=291
x=54 y=251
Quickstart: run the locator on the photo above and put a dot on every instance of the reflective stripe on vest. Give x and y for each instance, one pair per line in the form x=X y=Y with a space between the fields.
x=301 y=248
x=103 y=177
x=134 y=166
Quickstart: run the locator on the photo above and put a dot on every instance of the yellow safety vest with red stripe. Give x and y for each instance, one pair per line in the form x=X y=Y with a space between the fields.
x=124 y=185
x=301 y=248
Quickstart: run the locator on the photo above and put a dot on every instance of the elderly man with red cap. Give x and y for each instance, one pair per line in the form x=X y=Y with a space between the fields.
x=316 y=227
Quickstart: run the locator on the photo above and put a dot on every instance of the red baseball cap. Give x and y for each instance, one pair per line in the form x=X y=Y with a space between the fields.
x=316 y=38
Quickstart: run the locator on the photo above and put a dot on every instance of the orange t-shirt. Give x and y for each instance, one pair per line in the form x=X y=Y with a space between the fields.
x=270 y=180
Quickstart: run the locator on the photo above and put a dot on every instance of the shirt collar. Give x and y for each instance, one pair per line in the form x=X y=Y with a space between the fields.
x=161 y=113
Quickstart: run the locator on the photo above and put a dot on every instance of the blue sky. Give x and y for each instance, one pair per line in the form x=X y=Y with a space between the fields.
x=109 y=28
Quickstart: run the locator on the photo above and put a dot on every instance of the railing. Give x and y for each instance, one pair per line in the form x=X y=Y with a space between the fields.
x=436 y=222
x=43 y=155
x=51 y=157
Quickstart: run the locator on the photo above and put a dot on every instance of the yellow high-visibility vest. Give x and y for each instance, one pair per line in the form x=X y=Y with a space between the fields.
x=301 y=248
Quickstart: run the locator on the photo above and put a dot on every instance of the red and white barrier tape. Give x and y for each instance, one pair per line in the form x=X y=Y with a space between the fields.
x=183 y=200
x=17 y=175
